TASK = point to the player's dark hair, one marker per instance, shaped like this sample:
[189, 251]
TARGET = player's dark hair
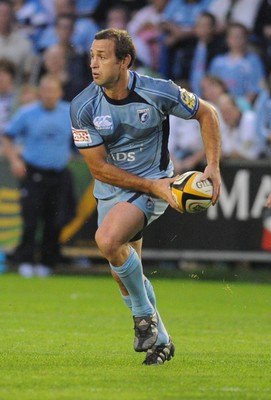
[124, 44]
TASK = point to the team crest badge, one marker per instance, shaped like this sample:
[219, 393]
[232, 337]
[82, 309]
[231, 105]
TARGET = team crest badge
[144, 115]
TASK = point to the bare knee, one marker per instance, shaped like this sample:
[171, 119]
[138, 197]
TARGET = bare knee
[111, 247]
[106, 244]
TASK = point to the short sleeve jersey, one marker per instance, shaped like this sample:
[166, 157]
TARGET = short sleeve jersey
[134, 130]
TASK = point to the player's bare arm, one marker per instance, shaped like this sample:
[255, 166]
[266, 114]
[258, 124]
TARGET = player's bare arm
[210, 131]
[101, 170]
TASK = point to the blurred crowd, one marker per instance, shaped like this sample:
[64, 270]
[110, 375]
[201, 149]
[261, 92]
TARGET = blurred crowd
[219, 49]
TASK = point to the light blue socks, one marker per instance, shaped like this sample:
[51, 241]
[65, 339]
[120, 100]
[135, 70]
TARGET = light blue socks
[163, 336]
[131, 274]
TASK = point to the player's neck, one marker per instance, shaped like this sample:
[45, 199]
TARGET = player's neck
[119, 90]
[117, 94]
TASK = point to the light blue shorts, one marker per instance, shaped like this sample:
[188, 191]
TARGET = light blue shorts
[152, 207]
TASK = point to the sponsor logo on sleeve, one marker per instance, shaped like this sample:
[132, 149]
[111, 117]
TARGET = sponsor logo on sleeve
[188, 100]
[81, 135]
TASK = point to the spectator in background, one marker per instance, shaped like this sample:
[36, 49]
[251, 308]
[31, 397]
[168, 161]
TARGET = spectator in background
[241, 70]
[55, 62]
[263, 119]
[84, 29]
[12, 95]
[228, 11]
[212, 87]
[118, 17]
[73, 68]
[238, 130]
[262, 32]
[185, 145]
[48, 7]
[207, 45]
[86, 7]
[177, 28]
[8, 95]
[31, 18]
[28, 94]
[100, 13]
[145, 24]
[13, 45]
[46, 191]
[78, 62]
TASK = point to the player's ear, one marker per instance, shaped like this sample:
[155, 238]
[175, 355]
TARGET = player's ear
[126, 61]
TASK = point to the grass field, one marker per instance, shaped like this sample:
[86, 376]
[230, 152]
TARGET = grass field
[71, 337]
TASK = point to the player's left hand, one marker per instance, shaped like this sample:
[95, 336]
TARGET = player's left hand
[212, 172]
[161, 188]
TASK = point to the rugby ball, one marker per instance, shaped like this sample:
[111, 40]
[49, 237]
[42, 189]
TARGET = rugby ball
[191, 194]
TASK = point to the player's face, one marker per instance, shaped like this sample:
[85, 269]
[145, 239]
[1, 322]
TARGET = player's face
[106, 68]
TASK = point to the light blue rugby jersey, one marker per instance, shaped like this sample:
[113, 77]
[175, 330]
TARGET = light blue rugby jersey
[134, 130]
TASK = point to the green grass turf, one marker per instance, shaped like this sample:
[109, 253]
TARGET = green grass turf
[71, 337]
